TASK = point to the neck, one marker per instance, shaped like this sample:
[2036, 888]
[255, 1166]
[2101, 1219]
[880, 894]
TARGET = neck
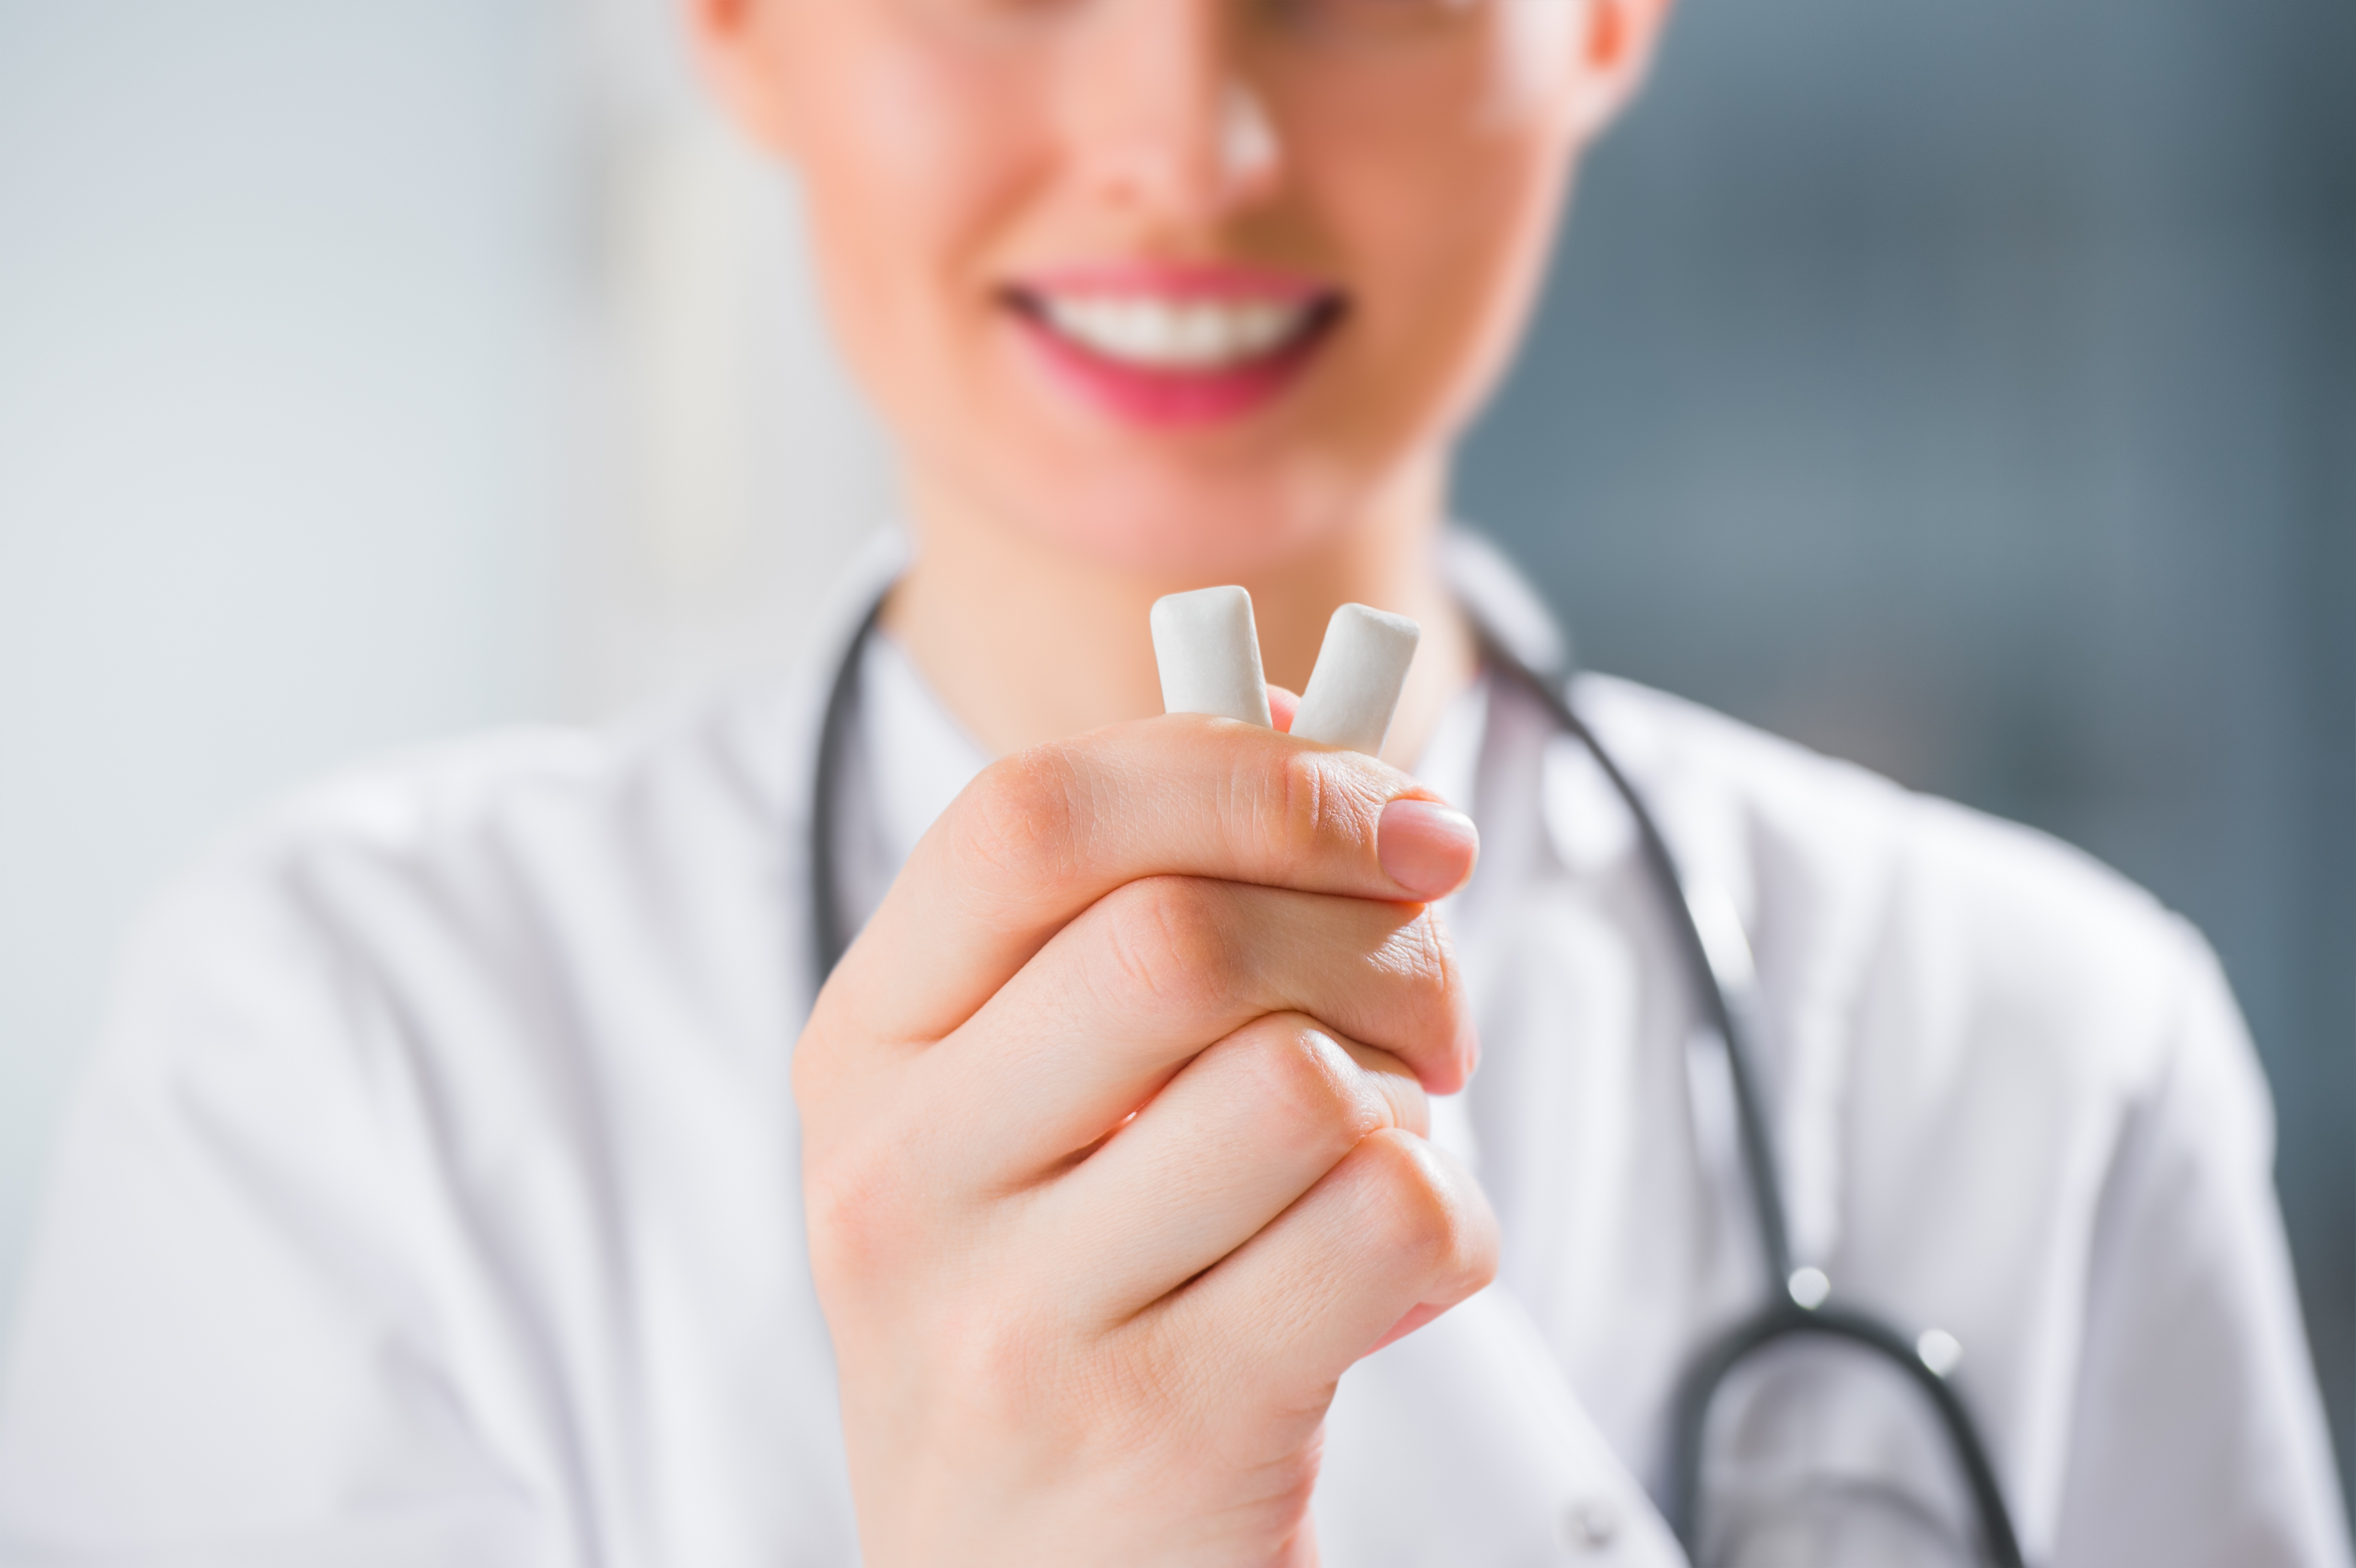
[1025, 643]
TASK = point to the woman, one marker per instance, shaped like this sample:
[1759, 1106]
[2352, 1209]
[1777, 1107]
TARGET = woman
[450, 1193]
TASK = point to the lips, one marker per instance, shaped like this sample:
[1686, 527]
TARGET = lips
[1164, 345]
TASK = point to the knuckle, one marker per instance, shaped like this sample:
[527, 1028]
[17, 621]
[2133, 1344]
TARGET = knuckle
[1021, 816]
[1018, 1363]
[842, 1236]
[1000, 1360]
[1419, 1217]
[859, 1230]
[1306, 1084]
[1169, 941]
[1313, 807]
[1147, 1384]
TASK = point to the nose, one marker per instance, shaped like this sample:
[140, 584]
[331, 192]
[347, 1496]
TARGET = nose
[1159, 115]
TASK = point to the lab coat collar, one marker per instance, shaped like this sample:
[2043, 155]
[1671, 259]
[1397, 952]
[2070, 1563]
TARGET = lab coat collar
[1502, 599]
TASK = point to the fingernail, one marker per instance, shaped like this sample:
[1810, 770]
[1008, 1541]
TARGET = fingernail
[1426, 848]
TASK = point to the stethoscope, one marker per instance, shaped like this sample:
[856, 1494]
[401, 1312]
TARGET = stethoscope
[1797, 1307]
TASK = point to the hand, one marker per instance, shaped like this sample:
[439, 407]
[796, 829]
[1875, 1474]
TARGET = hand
[1113, 1149]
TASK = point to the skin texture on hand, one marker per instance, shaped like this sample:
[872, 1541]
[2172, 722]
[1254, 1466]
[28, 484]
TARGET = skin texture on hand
[1113, 1146]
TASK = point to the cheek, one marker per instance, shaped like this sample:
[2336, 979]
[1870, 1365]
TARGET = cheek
[1449, 238]
[907, 170]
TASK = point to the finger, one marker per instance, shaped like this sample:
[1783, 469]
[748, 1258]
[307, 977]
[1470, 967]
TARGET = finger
[1248, 1127]
[1281, 705]
[1040, 837]
[1124, 996]
[1397, 1226]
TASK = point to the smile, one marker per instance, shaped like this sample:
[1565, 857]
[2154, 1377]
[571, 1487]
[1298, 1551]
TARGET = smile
[1177, 346]
[1179, 334]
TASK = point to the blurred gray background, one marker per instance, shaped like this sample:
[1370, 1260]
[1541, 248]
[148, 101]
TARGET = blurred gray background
[1966, 389]
[1970, 390]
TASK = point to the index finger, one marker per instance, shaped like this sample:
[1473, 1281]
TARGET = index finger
[1042, 835]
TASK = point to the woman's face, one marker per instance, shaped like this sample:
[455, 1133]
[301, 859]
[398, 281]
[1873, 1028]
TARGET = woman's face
[1187, 286]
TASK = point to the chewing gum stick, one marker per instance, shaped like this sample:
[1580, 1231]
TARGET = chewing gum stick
[1355, 688]
[1208, 651]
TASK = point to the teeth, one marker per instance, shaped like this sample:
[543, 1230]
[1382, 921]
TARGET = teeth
[1166, 334]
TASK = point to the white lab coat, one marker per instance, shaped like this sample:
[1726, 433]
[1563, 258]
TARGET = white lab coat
[436, 1198]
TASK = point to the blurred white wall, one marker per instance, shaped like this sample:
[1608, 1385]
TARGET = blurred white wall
[367, 372]
[728, 469]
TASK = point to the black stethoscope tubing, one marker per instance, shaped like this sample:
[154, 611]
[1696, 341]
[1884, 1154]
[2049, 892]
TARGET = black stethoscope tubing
[1727, 1006]
[1726, 1001]
[830, 934]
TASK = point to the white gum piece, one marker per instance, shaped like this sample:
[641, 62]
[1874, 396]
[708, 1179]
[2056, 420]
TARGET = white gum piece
[1208, 652]
[1355, 688]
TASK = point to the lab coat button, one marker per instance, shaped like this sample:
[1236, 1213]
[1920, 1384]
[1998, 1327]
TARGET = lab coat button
[1590, 1524]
